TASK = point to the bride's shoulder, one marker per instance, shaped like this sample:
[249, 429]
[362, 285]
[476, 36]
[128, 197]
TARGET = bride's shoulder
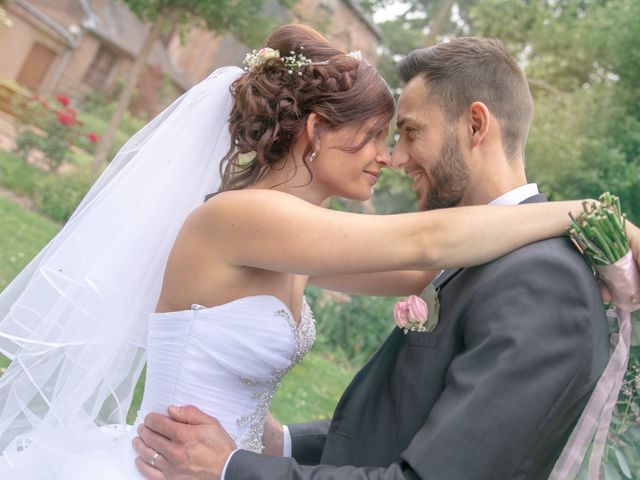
[248, 204]
[250, 199]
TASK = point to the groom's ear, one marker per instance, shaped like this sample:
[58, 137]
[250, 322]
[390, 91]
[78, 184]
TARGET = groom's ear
[479, 121]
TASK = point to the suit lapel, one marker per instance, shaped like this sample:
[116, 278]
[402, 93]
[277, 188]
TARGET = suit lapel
[535, 199]
[444, 277]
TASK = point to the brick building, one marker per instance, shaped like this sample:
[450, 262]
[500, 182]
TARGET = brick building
[79, 46]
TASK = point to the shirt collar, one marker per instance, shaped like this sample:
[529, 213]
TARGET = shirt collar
[516, 195]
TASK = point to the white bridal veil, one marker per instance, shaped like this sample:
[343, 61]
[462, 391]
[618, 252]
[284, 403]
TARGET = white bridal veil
[74, 321]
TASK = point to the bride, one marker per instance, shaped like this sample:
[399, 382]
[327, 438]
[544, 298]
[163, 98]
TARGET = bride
[210, 294]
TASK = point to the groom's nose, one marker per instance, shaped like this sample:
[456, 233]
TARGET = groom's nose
[399, 157]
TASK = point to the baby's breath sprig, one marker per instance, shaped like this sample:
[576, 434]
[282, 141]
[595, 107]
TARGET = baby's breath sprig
[599, 231]
[295, 61]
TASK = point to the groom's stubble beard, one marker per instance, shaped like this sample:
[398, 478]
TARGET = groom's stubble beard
[449, 178]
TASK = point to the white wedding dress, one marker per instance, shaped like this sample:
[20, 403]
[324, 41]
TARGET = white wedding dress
[227, 360]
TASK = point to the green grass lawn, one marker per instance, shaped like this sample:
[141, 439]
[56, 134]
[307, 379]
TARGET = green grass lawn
[22, 235]
[310, 391]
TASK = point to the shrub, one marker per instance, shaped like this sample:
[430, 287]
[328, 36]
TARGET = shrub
[18, 175]
[350, 327]
[58, 195]
[51, 130]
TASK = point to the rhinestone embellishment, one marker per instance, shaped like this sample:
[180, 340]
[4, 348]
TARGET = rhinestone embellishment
[304, 336]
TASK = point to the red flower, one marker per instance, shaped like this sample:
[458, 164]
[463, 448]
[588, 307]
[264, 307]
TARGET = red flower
[64, 100]
[67, 117]
[93, 138]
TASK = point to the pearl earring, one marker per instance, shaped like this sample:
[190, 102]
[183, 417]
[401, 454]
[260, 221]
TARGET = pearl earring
[312, 157]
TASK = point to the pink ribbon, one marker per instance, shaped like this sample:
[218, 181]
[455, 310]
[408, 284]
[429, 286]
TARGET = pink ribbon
[623, 279]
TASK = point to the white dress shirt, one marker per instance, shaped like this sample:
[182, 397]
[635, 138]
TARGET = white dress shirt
[516, 195]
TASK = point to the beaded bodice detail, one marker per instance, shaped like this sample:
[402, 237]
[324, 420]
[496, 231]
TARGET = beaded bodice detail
[227, 360]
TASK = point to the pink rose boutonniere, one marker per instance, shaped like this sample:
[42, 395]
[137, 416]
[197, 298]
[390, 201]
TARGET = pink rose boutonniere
[411, 314]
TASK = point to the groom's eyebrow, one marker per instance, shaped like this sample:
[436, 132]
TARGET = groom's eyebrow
[403, 120]
[400, 122]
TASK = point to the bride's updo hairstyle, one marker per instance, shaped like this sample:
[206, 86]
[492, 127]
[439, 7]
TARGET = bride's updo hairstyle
[272, 103]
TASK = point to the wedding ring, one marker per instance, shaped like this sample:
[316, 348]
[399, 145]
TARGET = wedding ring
[154, 458]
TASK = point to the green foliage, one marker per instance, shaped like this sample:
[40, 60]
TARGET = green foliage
[581, 60]
[401, 36]
[248, 20]
[58, 196]
[54, 195]
[311, 390]
[624, 436]
[18, 175]
[350, 327]
[393, 193]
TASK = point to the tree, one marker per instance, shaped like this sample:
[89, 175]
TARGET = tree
[244, 18]
[420, 23]
[584, 72]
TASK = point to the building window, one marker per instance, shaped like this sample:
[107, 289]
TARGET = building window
[36, 66]
[98, 72]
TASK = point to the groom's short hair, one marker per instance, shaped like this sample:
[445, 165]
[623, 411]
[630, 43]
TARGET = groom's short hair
[470, 69]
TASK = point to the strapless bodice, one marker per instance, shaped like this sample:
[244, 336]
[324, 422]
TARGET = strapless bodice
[227, 360]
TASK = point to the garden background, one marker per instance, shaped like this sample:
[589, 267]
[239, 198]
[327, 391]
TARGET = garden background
[583, 65]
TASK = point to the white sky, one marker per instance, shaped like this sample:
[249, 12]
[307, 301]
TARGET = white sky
[390, 12]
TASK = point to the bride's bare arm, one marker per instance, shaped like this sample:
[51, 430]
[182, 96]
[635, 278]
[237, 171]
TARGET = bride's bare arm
[275, 231]
[380, 284]
[410, 282]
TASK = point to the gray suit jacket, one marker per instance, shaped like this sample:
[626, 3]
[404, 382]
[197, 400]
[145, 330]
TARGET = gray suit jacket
[492, 393]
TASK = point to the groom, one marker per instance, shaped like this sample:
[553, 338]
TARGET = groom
[495, 390]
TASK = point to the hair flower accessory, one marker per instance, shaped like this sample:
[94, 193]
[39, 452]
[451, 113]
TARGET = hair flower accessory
[357, 54]
[258, 57]
[293, 61]
[411, 314]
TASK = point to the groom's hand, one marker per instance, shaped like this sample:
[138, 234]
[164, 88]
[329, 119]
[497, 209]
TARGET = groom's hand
[272, 437]
[189, 444]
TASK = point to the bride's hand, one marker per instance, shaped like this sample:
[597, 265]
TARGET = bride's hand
[633, 233]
